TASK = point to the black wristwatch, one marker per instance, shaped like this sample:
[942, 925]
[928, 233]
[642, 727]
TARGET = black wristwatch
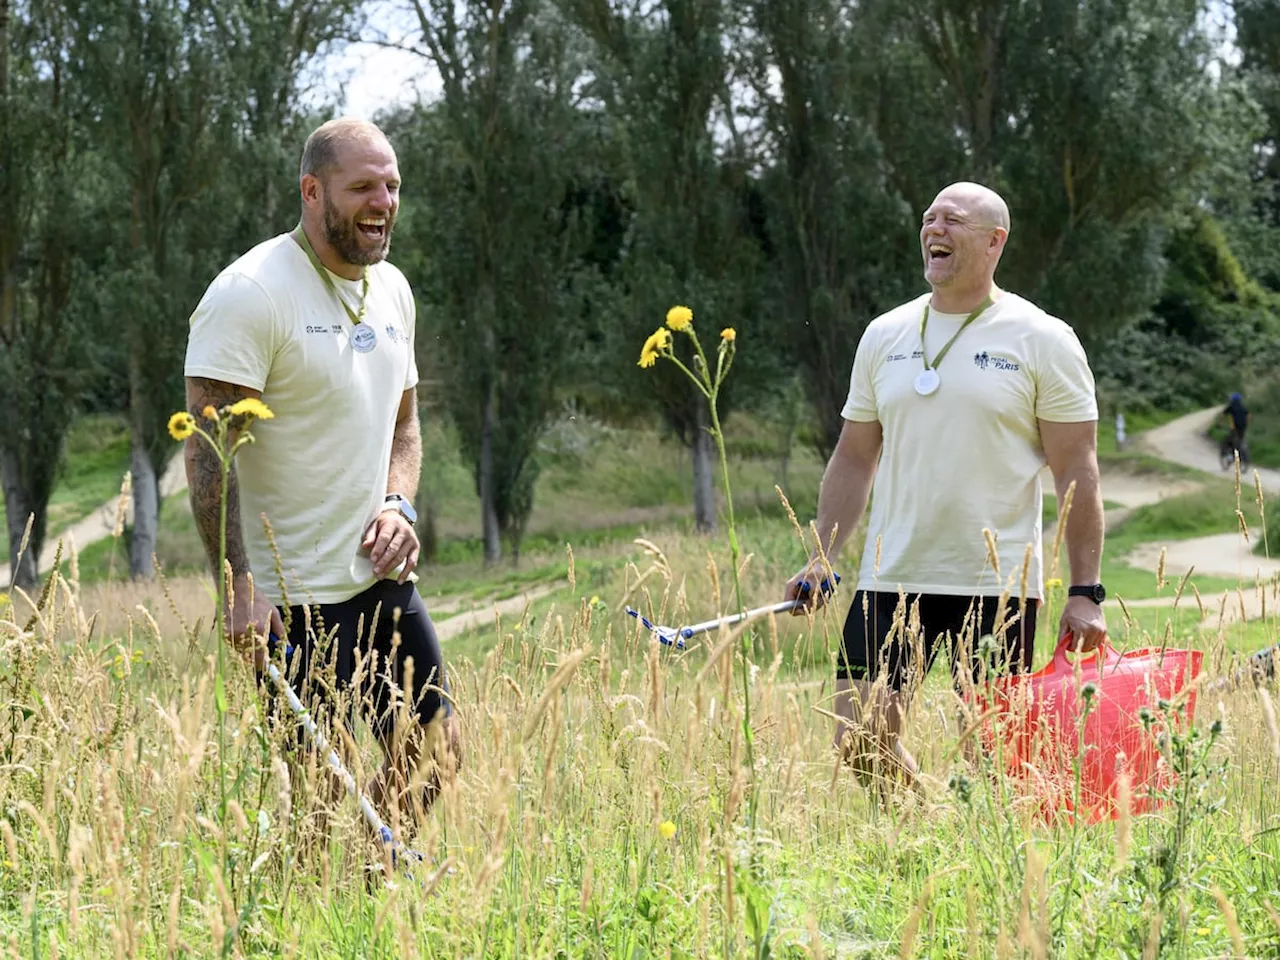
[1094, 591]
[396, 502]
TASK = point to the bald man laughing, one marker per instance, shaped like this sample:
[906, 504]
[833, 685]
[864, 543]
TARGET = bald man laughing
[957, 400]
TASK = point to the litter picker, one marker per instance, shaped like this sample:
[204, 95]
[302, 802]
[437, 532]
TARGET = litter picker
[676, 636]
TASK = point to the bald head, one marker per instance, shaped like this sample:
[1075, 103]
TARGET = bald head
[320, 156]
[962, 236]
[986, 206]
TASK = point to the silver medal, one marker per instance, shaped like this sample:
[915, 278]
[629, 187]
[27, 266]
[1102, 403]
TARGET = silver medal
[363, 338]
[927, 382]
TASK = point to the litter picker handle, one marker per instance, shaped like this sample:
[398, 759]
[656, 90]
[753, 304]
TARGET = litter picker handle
[331, 756]
[706, 625]
[827, 589]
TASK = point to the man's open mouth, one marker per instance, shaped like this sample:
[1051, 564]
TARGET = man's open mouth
[939, 251]
[375, 228]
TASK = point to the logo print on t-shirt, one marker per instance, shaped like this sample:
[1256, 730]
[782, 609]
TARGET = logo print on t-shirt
[985, 360]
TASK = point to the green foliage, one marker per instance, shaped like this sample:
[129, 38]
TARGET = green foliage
[1258, 37]
[840, 235]
[659, 76]
[1097, 121]
[1212, 330]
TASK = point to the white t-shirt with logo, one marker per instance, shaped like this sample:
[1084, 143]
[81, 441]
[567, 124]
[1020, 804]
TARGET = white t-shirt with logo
[969, 456]
[318, 470]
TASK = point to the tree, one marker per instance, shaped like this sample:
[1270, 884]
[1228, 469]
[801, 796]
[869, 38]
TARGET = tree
[1098, 121]
[661, 73]
[40, 353]
[182, 90]
[835, 221]
[494, 160]
[1258, 37]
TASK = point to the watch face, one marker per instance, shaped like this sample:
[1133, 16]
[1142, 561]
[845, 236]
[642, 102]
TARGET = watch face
[1099, 592]
[407, 509]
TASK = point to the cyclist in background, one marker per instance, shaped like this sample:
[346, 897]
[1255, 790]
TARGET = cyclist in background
[1238, 418]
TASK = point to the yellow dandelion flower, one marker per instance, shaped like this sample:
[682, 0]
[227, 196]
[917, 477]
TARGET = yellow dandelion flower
[210, 413]
[1054, 583]
[666, 829]
[181, 425]
[728, 334]
[251, 407]
[595, 599]
[679, 318]
[658, 341]
[1203, 931]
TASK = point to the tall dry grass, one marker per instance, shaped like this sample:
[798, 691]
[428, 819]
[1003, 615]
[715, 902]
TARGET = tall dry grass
[582, 737]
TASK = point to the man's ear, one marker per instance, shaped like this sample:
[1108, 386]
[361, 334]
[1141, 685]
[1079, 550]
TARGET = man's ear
[311, 189]
[999, 236]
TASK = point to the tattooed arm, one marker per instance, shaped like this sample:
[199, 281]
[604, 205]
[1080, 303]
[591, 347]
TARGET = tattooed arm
[204, 482]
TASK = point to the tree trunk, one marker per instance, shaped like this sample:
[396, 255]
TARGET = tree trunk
[146, 512]
[488, 509]
[17, 510]
[704, 494]
[146, 488]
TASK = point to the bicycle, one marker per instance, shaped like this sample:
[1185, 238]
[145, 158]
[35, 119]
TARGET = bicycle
[1227, 451]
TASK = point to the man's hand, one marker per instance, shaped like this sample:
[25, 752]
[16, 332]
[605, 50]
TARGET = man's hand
[250, 620]
[810, 574]
[389, 540]
[1086, 623]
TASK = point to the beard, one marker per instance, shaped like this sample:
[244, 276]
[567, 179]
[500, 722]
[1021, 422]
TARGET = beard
[347, 241]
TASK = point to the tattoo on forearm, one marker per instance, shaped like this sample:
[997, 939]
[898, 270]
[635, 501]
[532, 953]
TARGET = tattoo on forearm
[204, 477]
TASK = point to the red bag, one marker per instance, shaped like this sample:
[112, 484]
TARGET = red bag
[1036, 734]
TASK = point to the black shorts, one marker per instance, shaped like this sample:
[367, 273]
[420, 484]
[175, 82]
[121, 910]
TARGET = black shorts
[873, 649]
[347, 655]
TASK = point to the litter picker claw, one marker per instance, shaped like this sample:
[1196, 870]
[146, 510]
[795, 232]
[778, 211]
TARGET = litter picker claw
[676, 636]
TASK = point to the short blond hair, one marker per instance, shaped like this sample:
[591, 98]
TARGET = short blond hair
[320, 153]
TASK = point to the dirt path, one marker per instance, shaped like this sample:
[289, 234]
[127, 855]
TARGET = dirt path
[1183, 441]
[455, 626]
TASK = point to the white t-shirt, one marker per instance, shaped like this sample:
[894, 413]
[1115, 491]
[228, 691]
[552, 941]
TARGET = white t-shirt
[969, 456]
[318, 470]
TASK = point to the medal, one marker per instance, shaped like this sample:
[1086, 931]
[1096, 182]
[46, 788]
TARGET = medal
[927, 382]
[363, 338]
